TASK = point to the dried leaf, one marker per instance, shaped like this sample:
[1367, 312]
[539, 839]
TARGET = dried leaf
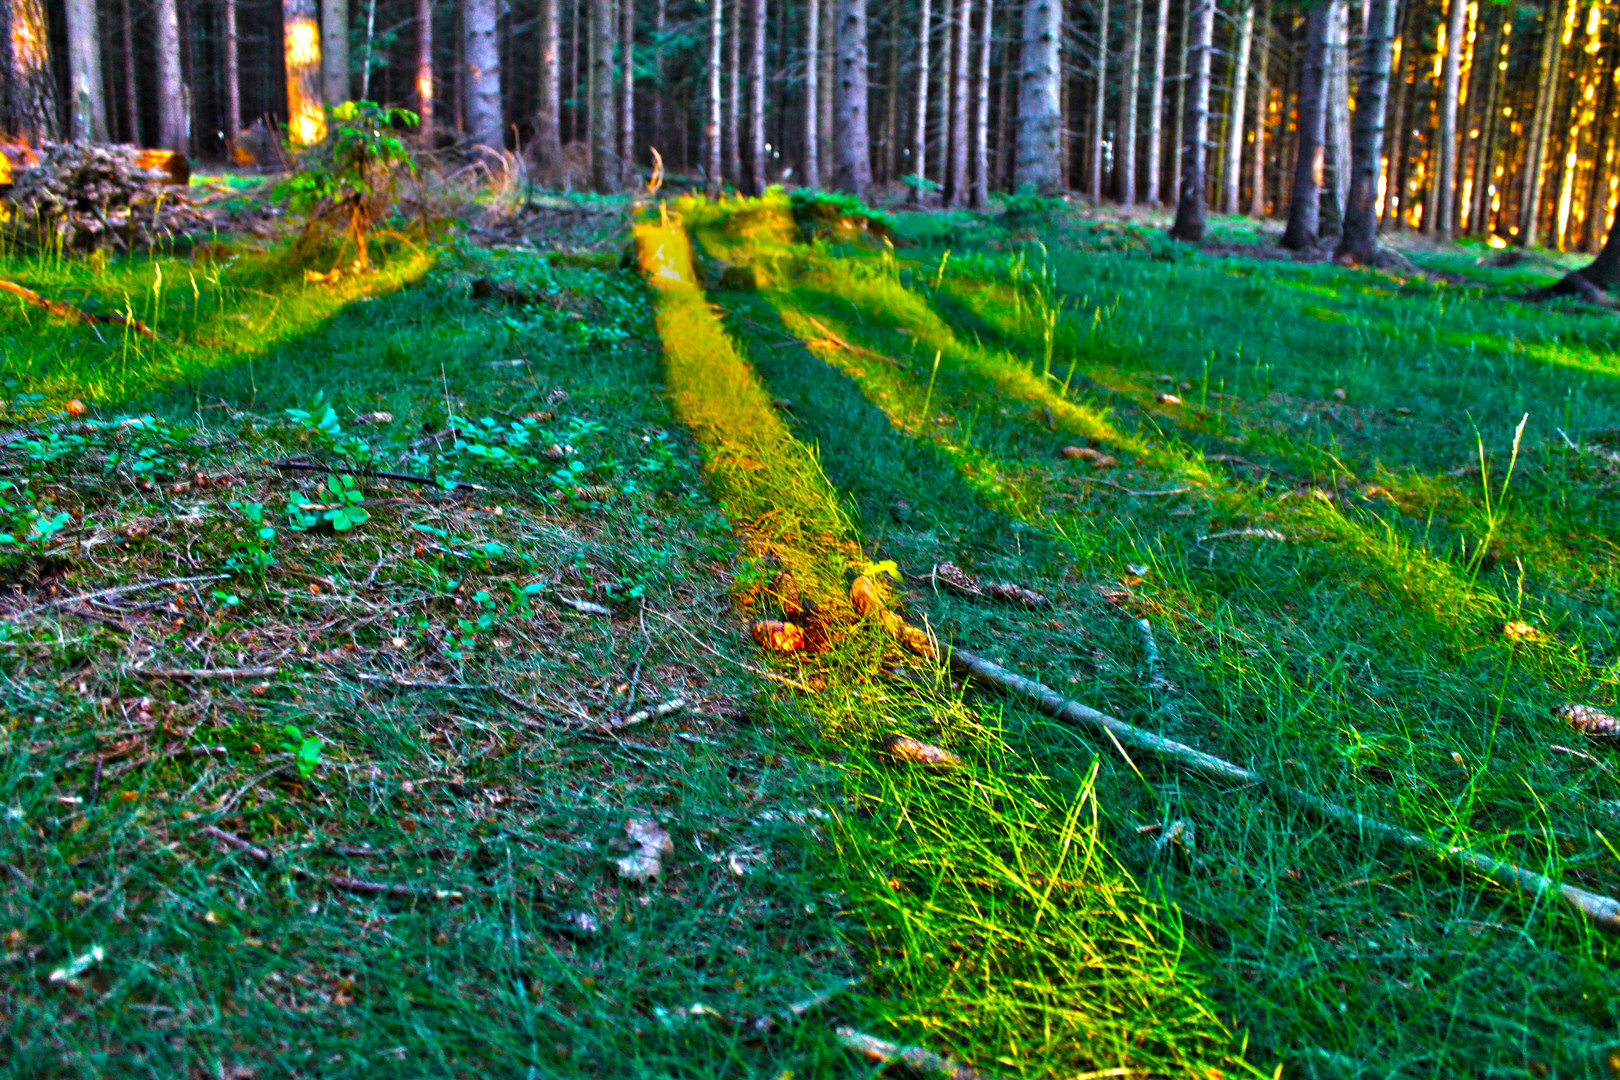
[651, 837]
[958, 580]
[1589, 721]
[1167, 399]
[864, 595]
[1009, 593]
[779, 636]
[639, 867]
[1514, 630]
[584, 607]
[919, 753]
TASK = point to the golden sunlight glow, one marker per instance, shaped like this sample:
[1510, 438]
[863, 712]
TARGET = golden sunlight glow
[308, 124]
[1495, 242]
[303, 44]
[424, 87]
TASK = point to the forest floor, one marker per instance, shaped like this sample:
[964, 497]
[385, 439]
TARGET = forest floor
[473, 769]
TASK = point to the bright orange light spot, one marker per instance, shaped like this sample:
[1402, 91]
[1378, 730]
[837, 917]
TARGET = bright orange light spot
[303, 44]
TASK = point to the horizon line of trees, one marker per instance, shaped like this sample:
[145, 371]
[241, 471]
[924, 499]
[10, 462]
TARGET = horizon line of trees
[1347, 118]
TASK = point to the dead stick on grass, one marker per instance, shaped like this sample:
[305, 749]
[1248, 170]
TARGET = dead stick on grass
[1602, 911]
[761, 672]
[68, 311]
[1131, 491]
[409, 478]
[477, 688]
[653, 713]
[847, 347]
[917, 1058]
[207, 673]
[349, 884]
[107, 593]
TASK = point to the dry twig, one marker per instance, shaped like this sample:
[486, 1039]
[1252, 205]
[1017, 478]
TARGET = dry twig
[105, 594]
[348, 884]
[68, 311]
[917, 1058]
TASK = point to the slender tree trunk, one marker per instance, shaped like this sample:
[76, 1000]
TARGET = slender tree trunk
[660, 22]
[734, 94]
[1485, 160]
[1130, 92]
[1305, 200]
[947, 54]
[1397, 175]
[482, 49]
[756, 100]
[1100, 111]
[852, 159]
[711, 128]
[548, 119]
[919, 141]
[233, 77]
[981, 110]
[1011, 64]
[812, 95]
[892, 94]
[1232, 174]
[1598, 190]
[1359, 241]
[1450, 84]
[1540, 122]
[335, 51]
[1336, 123]
[1262, 107]
[826, 86]
[958, 181]
[303, 47]
[1470, 134]
[1036, 162]
[1155, 147]
[88, 105]
[1189, 224]
[604, 159]
[132, 99]
[1178, 115]
[627, 90]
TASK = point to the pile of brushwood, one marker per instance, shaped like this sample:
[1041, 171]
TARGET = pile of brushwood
[87, 196]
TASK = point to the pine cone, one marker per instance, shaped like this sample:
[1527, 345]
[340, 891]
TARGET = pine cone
[1589, 721]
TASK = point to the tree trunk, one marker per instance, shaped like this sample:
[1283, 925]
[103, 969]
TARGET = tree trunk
[1010, 66]
[958, 181]
[233, 77]
[1262, 105]
[1591, 280]
[1336, 123]
[852, 160]
[483, 58]
[1485, 156]
[424, 69]
[756, 100]
[1397, 174]
[826, 85]
[1179, 114]
[604, 159]
[627, 91]
[981, 110]
[1305, 200]
[812, 95]
[1099, 110]
[306, 123]
[88, 110]
[1155, 147]
[1359, 242]
[1189, 224]
[1232, 174]
[734, 95]
[893, 92]
[548, 118]
[947, 54]
[335, 51]
[711, 128]
[660, 20]
[132, 99]
[1125, 152]
[1037, 161]
[919, 140]
[1450, 83]
[1540, 122]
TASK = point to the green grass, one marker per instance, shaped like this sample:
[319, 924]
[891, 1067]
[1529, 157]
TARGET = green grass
[1361, 657]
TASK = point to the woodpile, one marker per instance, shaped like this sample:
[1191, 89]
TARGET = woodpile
[87, 196]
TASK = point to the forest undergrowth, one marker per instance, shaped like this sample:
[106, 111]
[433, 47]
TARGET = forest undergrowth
[380, 694]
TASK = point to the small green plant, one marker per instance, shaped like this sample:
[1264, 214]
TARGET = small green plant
[919, 186]
[352, 178]
[1026, 207]
[341, 513]
[252, 555]
[306, 749]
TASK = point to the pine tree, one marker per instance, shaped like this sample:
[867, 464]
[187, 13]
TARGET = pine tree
[1036, 162]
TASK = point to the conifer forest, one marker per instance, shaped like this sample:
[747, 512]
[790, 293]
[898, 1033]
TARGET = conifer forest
[940, 539]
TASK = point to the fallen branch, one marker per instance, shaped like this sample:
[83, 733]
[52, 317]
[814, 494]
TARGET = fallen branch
[651, 713]
[1602, 911]
[68, 311]
[1131, 491]
[207, 673]
[348, 884]
[847, 347]
[104, 594]
[408, 478]
[477, 688]
[916, 1057]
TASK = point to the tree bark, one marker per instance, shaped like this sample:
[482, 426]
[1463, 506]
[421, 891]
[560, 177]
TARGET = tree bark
[1125, 151]
[335, 51]
[812, 94]
[958, 182]
[604, 158]
[826, 86]
[132, 99]
[1305, 200]
[1262, 102]
[1178, 115]
[852, 160]
[627, 91]
[711, 128]
[483, 58]
[1450, 83]
[981, 110]
[947, 56]
[919, 135]
[174, 120]
[1232, 174]
[88, 105]
[1336, 123]
[1036, 162]
[1540, 123]
[1189, 224]
[1155, 148]
[548, 117]
[892, 93]
[1397, 173]
[660, 21]
[734, 94]
[1358, 244]
[756, 100]
[1099, 110]
[1485, 159]
[233, 77]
